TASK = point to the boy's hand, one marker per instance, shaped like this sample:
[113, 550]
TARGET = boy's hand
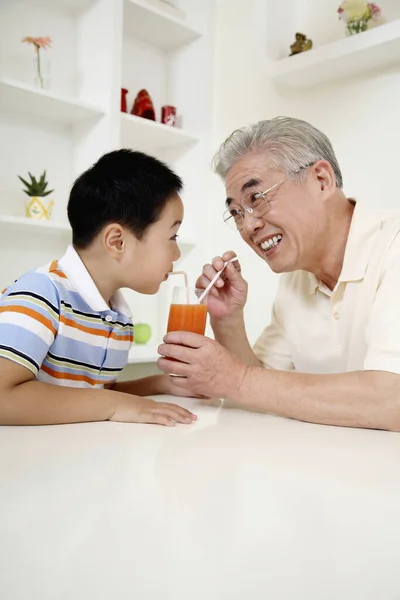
[135, 409]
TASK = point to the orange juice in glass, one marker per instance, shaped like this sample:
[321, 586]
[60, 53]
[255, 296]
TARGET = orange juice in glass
[185, 313]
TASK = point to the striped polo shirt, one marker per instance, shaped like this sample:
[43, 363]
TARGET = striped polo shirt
[54, 322]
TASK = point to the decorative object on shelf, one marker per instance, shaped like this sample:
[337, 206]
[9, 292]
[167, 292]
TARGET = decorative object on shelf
[168, 115]
[124, 92]
[143, 106]
[37, 207]
[142, 333]
[302, 44]
[359, 16]
[42, 63]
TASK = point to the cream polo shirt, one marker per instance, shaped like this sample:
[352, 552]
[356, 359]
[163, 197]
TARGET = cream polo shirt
[312, 328]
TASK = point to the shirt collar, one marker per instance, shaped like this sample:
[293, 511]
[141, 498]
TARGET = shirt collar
[365, 224]
[79, 277]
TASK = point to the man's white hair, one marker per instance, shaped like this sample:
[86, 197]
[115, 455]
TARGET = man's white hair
[289, 144]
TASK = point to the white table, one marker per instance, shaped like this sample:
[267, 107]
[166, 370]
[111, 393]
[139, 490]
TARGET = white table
[239, 506]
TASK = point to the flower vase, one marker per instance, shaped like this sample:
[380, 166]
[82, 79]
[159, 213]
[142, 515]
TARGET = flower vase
[356, 26]
[41, 67]
[38, 208]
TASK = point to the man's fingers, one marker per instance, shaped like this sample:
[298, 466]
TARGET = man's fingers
[172, 366]
[218, 263]
[179, 353]
[233, 271]
[228, 255]
[184, 338]
[202, 282]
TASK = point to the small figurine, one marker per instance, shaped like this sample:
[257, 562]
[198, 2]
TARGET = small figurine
[301, 44]
[143, 106]
[168, 115]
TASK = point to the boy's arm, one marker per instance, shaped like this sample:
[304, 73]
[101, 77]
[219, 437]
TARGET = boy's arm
[147, 386]
[24, 401]
[154, 385]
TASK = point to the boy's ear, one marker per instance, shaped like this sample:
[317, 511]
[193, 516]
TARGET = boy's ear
[114, 239]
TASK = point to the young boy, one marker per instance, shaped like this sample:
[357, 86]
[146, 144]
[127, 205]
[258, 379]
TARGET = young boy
[65, 330]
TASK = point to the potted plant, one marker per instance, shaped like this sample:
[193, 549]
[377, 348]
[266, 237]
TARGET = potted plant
[37, 207]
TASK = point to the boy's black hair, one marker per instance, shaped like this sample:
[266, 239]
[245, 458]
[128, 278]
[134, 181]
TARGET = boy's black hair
[125, 187]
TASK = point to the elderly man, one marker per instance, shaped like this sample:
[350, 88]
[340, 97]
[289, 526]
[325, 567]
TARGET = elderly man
[331, 353]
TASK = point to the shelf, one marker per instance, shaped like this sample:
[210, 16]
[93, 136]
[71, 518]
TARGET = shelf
[73, 6]
[26, 225]
[186, 241]
[151, 23]
[143, 353]
[371, 50]
[17, 96]
[151, 136]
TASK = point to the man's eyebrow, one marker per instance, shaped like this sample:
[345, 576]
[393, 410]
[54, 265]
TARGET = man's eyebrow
[248, 184]
[176, 223]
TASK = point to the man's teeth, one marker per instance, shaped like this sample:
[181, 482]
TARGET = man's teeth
[274, 241]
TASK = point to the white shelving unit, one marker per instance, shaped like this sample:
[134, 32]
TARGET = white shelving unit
[76, 7]
[152, 136]
[17, 96]
[27, 226]
[100, 46]
[151, 22]
[352, 56]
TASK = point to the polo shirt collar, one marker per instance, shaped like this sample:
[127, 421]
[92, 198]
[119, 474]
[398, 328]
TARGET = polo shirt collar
[365, 224]
[364, 227]
[79, 277]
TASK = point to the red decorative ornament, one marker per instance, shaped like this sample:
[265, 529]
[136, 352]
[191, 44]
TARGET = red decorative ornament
[123, 99]
[168, 115]
[143, 106]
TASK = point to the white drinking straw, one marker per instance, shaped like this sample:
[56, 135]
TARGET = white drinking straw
[214, 279]
[186, 282]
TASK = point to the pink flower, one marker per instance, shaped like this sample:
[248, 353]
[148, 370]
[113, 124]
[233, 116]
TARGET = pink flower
[38, 42]
[375, 11]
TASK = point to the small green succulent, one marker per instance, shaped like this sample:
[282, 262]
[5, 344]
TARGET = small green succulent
[34, 187]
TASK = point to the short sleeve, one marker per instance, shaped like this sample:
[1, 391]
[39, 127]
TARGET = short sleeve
[272, 347]
[383, 330]
[29, 317]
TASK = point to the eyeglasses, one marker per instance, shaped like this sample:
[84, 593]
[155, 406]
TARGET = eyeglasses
[255, 204]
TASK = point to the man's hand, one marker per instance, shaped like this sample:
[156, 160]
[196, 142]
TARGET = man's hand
[205, 366]
[229, 293]
[134, 409]
[170, 388]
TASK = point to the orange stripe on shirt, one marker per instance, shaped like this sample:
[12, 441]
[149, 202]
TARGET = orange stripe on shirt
[99, 332]
[54, 269]
[74, 377]
[30, 313]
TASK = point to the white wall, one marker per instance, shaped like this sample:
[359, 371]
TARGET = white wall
[242, 95]
[361, 117]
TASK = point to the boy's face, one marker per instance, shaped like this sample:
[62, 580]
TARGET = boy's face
[148, 261]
